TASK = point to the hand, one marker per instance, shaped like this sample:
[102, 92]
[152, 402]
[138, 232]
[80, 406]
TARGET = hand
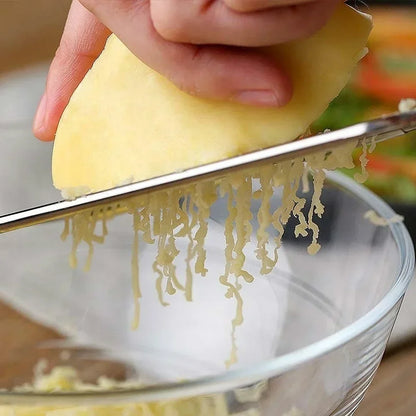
[203, 46]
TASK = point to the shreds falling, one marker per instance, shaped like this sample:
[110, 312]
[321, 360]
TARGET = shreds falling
[164, 217]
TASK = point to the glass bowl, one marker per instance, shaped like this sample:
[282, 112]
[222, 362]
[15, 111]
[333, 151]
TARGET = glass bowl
[312, 337]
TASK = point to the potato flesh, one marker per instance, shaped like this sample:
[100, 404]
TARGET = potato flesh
[125, 122]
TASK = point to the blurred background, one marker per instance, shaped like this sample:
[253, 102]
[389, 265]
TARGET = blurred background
[386, 75]
[29, 35]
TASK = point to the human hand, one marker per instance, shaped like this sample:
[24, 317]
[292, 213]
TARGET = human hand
[205, 47]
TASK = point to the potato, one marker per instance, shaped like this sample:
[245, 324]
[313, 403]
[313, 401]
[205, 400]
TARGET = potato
[126, 122]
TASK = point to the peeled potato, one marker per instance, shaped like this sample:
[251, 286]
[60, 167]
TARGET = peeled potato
[126, 122]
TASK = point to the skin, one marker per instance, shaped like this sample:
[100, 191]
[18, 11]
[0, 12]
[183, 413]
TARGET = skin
[205, 47]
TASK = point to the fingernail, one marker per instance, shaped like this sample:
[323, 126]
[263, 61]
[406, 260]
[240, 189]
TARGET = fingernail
[265, 98]
[39, 120]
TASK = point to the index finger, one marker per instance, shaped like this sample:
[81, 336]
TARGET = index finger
[82, 42]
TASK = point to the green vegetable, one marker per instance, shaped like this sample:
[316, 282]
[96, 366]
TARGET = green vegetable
[348, 108]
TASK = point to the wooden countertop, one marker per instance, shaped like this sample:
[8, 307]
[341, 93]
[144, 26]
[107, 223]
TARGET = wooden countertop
[29, 32]
[393, 392]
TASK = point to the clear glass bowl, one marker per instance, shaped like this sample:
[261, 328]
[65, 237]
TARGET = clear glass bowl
[313, 334]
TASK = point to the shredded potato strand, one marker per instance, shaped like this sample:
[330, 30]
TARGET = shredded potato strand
[135, 271]
[363, 175]
[264, 219]
[233, 290]
[183, 212]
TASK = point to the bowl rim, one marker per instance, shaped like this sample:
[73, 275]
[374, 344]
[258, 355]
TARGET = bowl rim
[233, 379]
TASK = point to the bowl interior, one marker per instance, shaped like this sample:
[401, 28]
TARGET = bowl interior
[69, 316]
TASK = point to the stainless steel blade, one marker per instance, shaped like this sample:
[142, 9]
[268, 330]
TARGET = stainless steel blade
[379, 129]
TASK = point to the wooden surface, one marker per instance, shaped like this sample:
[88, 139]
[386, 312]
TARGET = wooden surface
[24, 344]
[393, 392]
[30, 32]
